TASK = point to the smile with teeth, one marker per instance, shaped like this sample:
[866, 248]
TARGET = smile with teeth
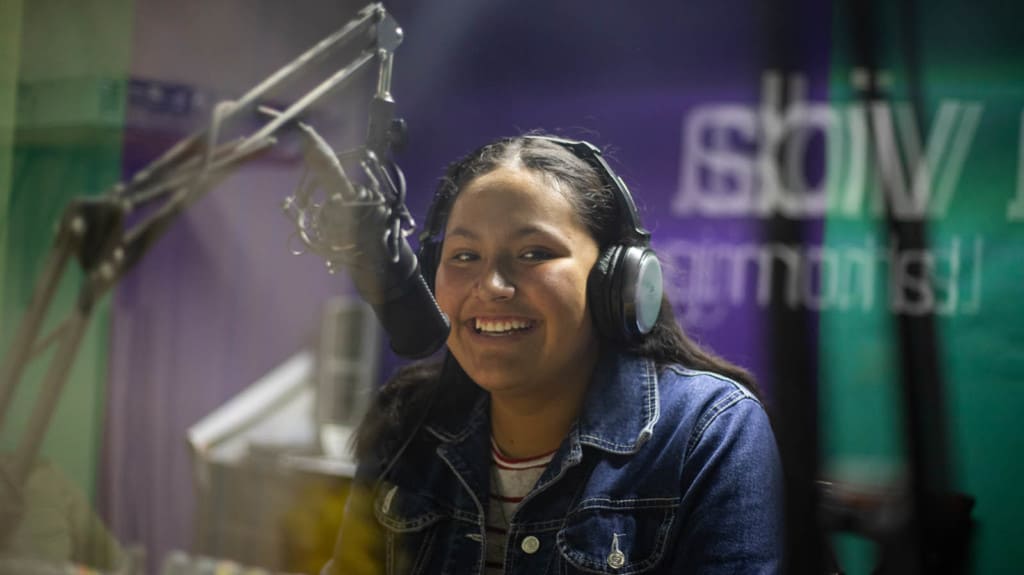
[501, 326]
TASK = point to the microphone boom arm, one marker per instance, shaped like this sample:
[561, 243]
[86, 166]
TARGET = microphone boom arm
[91, 229]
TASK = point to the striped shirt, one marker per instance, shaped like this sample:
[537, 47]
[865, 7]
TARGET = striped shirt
[511, 480]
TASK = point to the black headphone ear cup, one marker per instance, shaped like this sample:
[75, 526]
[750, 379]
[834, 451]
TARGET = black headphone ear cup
[624, 291]
[600, 292]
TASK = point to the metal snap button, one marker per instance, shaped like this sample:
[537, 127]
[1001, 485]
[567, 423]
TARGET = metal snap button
[616, 559]
[530, 544]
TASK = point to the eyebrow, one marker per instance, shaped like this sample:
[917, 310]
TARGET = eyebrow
[463, 232]
[522, 232]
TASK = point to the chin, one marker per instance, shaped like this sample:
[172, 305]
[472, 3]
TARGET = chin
[493, 371]
[497, 383]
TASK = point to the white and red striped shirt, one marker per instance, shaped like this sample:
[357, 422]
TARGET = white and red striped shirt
[511, 480]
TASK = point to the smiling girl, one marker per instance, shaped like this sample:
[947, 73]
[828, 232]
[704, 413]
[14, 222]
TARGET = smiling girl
[571, 426]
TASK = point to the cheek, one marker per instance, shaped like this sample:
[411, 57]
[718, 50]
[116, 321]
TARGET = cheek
[566, 291]
[446, 290]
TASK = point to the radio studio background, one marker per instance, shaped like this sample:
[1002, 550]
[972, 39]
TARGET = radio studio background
[722, 117]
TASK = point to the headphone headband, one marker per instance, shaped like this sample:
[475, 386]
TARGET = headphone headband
[591, 154]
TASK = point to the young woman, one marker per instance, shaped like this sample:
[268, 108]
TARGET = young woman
[571, 427]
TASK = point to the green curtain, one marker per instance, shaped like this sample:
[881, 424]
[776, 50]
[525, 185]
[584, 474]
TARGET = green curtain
[63, 77]
[972, 95]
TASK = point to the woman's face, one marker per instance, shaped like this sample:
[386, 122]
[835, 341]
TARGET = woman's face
[513, 279]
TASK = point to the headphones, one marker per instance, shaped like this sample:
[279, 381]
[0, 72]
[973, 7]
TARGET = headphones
[624, 288]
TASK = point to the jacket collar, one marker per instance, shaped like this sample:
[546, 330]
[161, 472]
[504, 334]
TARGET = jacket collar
[619, 411]
[622, 404]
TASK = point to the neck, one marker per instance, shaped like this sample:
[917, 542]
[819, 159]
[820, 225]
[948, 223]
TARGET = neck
[526, 427]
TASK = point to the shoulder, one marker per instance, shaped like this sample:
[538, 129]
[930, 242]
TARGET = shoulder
[730, 473]
[682, 381]
[681, 385]
[703, 402]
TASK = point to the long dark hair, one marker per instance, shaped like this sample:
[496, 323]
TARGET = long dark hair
[414, 387]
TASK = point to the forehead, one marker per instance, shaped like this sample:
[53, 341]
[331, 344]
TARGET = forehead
[512, 195]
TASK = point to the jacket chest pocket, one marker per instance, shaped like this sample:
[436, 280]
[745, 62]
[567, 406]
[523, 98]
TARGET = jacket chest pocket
[616, 537]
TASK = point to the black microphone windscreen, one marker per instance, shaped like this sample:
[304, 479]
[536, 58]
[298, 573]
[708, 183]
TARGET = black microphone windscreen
[415, 324]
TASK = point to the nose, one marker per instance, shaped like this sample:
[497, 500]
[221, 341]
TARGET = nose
[495, 284]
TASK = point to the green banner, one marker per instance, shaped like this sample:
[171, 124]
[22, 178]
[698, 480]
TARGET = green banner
[63, 73]
[945, 147]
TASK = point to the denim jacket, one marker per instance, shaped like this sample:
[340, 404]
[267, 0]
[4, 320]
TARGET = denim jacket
[676, 472]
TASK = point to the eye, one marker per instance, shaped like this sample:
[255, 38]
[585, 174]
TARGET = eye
[537, 254]
[463, 256]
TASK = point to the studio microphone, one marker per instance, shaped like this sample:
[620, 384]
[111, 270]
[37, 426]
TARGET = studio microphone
[394, 287]
[361, 226]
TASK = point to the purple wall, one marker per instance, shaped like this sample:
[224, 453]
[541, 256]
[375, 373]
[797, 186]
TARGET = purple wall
[220, 301]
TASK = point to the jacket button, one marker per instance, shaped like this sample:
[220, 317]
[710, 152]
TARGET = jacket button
[616, 559]
[530, 545]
